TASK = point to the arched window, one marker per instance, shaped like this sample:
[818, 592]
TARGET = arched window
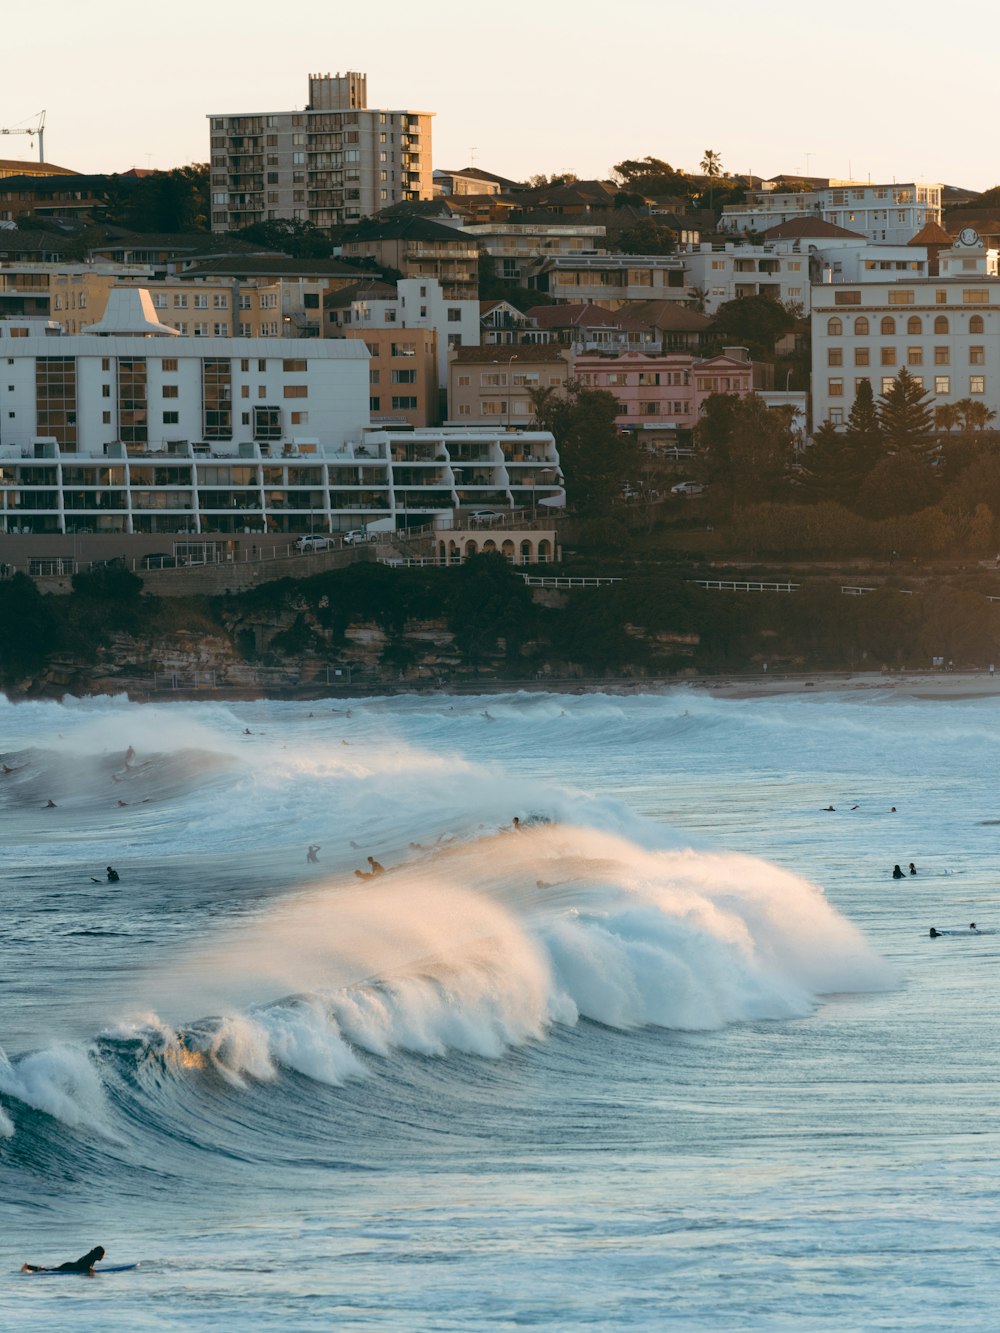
[526, 552]
[941, 324]
[976, 324]
[834, 327]
[861, 326]
[888, 325]
[507, 550]
[544, 551]
[914, 324]
[470, 548]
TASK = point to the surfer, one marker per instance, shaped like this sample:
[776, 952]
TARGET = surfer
[122, 804]
[828, 807]
[129, 756]
[897, 873]
[50, 804]
[913, 868]
[311, 856]
[972, 926]
[112, 875]
[933, 933]
[85, 1264]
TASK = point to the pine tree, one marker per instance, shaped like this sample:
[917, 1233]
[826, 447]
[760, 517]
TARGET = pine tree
[905, 416]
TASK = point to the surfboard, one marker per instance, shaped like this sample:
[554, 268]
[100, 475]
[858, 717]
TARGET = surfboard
[964, 930]
[78, 1272]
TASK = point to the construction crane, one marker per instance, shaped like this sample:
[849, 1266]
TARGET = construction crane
[38, 129]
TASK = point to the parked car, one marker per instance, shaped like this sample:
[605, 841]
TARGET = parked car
[160, 560]
[357, 536]
[687, 488]
[313, 543]
[486, 516]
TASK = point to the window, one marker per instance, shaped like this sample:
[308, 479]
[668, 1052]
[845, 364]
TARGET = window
[940, 297]
[373, 349]
[295, 391]
[244, 390]
[374, 376]
[914, 356]
[888, 356]
[404, 377]
[898, 297]
[105, 418]
[861, 326]
[220, 301]
[847, 298]
[106, 363]
[977, 356]
[454, 314]
[293, 366]
[835, 388]
[834, 327]
[836, 416]
[975, 296]
[464, 381]
[942, 384]
[201, 301]
[105, 390]
[180, 301]
[977, 384]
[888, 325]
[861, 356]
[942, 355]
[914, 324]
[171, 418]
[862, 379]
[976, 324]
[887, 382]
[404, 349]
[834, 357]
[300, 418]
[220, 330]
[941, 324]
[404, 404]
[374, 404]
[169, 391]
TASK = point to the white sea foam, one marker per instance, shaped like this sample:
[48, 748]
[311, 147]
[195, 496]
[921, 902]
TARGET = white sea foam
[62, 1082]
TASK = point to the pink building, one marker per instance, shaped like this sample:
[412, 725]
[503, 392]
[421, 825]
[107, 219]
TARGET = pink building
[666, 390]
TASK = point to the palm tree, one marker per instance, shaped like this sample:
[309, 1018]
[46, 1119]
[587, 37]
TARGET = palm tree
[711, 165]
[947, 416]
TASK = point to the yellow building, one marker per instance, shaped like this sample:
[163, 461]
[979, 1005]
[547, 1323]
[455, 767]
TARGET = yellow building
[402, 375]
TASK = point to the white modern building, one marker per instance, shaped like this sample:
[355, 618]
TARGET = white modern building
[131, 428]
[333, 162]
[892, 213]
[945, 330]
[419, 303]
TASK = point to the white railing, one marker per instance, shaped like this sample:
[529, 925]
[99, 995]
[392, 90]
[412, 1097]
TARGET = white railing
[542, 581]
[729, 585]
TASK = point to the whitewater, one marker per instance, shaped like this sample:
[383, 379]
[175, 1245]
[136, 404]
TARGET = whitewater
[676, 1052]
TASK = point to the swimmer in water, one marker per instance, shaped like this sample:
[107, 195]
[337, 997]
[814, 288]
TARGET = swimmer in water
[933, 933]
[897, 873]
[515, 824]
[50, 805]
[311, 854]
[122, 804]
[913, 868]
[113, 875]
[828, 807]
[488, 715]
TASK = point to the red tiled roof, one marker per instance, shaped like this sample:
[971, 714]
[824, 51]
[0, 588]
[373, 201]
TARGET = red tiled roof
[803, 228]
[931, 233]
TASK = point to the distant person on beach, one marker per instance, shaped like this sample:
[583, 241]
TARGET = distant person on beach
[913, 868]
[515, 824]
[113, 875]
[377, 868]
[897, 873]
[85, 1264]
[311, 854]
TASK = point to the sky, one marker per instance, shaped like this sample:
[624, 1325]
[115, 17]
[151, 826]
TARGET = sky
[866, 88]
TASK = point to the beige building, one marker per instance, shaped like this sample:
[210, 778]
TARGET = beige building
[419, 248]
[403, 382]
[612, 280]
[336, 161]
[493, 385]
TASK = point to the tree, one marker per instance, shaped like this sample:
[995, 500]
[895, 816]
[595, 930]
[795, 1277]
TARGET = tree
[754, 322]
[651, 175]
[595, 457]
[645, 237]
[972, 414]
[291, 236]
[747, 449]
[902, 483]
[905, 415]
[947, 416]
[711, 165]
[828, 469]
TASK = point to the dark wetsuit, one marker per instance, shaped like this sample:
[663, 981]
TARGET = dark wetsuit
[82, 1265]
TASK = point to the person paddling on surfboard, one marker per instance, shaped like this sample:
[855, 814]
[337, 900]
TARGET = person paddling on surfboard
[85, 1264]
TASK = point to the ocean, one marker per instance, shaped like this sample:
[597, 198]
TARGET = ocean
[676, 1053]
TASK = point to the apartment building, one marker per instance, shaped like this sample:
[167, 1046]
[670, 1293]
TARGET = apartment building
[663, 392]
[419, 248]
[612, 280]
[892, 213]
[333, 162]
[133, 382]
[495, 384]
[943, 329]
[414, 303]
[402, 374]
[517, 248]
